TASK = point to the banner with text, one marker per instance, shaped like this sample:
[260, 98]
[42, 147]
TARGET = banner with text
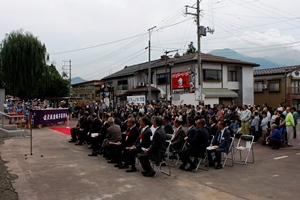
[49, 116]
[180, 80]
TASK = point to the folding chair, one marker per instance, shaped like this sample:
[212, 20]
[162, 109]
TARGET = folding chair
[164, 161]
[199, 160]
[230, 152]
[177, 155]
[248, 141]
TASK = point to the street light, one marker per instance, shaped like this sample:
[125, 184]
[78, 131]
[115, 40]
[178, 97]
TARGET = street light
[166, 77]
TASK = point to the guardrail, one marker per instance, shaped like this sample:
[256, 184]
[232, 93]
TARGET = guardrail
[3, 114]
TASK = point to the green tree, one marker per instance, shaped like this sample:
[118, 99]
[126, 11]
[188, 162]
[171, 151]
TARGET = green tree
[56, 86]
[191, 49]
[23, 64]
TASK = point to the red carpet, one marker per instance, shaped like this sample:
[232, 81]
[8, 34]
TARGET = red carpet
[62, 130]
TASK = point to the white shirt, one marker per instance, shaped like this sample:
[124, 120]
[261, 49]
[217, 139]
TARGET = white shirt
[153, 131]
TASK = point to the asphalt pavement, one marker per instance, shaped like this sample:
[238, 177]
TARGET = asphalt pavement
[60, 170]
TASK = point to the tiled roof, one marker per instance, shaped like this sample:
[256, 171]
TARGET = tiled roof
[130, 70]
[276, 70]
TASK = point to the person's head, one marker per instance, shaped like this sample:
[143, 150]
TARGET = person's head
[191, 121]
[273, 126]
[110, 121]
[245, 107]
[86, 114]
[288, 109]
[282, 117]
[157, 121]
[178, 121]
[94, 115]
[294, 109]
[255, 113]
[264, 114]
[200, 123]
[144, 121]
[221, 125]
[212, 120]
[166, 119]
[130, 122]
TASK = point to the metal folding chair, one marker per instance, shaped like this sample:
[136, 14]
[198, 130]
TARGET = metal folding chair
[248, 147]
[230, 153]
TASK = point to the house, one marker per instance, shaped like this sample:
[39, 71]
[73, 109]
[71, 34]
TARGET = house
[88, 90]
[276, 86]
[173, 80]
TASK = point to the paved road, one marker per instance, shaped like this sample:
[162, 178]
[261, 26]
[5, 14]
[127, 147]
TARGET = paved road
[66, 172]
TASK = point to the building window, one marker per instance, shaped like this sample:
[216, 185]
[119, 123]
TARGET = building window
[123, 85]
[162, 78]
[258, 87]
[212, 75]
[232, 75]
[274, 86]
[295, 87]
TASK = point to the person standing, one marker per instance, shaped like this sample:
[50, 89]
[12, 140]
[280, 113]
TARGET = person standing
[289, 123]
[245, 117]
[295, 115]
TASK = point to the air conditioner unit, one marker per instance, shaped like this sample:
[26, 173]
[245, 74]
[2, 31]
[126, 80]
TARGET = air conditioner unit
[264, 87]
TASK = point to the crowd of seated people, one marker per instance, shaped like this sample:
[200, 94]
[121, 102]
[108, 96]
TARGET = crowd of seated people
[146, 133]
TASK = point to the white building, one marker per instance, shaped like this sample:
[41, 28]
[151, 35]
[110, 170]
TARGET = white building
[225, 81]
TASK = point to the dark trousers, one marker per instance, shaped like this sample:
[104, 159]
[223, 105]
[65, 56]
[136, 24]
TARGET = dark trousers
[132, 153]
[95, 142]
[74, 132]
[81, 135]
[185, 156]
[218, 154]
[295, 131]
[275, 143]
[144, 160]
[122, 154]
[255, 134]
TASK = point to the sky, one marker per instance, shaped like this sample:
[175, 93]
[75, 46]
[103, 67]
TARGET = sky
[101, 37]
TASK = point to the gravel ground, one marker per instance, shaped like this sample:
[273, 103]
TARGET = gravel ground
[7, 192]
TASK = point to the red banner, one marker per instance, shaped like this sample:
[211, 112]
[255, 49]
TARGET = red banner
[180, 80]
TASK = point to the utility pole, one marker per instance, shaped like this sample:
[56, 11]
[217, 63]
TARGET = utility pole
[149, 67]
[67, 69]
[201, 31]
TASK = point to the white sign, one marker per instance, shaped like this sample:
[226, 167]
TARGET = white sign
[136, 99]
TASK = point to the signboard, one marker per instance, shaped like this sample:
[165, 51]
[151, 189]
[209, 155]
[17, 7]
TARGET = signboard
[180, 80]
[136, 99]
[49, 116]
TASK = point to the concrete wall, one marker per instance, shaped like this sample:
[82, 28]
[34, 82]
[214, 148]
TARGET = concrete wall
[2, 99]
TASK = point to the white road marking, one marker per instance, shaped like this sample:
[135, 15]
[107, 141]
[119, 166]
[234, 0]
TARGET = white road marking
[281, 157]
[275, 175]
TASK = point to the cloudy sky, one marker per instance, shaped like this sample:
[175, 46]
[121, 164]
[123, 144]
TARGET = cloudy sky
[101, 37]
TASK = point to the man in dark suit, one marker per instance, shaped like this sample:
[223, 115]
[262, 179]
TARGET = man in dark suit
[221, 142]
[197, 148]
[156, 150]
[178, 140]
[83, 129]
[142, 142]
[191, 132]
[96, 127]
[213, 126]
[128, 140]
[74, 131]
[168, 128]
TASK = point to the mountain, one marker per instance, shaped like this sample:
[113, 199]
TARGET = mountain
[77, 80]
[229, 53]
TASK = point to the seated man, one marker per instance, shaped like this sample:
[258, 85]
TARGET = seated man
[168, 127]
[275, 140]
[113, 135]
[221, 142]
[83, 129]
[178, 141]
[191, 131]
[142, 142]
[74, 130]
[131, 135]
[156, 150]
[197, 146]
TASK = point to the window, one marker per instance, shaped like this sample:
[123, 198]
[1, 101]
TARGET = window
[232, 75]
[212, 75]
[296, 87]
[258, 86]
[123, 85]
[274, 86]
[161, 78]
